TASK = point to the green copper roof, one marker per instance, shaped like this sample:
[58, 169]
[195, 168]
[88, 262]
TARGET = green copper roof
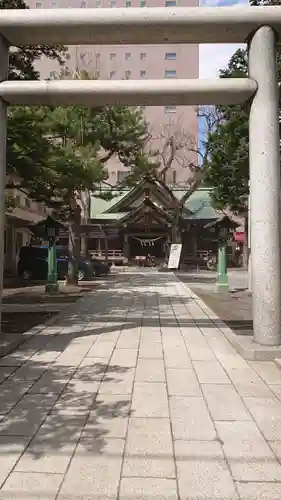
[99, 206]
[200, 204]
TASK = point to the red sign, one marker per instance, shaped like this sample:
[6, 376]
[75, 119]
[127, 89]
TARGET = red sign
[239, 236]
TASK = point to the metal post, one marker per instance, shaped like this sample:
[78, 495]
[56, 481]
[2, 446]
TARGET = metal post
[264, 159]
[52, 285]
[4, 65]
[222, 278]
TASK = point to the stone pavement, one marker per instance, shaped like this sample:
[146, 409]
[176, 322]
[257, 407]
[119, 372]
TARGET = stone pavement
[135, 394]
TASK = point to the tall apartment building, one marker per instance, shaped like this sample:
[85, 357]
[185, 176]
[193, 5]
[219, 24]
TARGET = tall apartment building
[139, 62]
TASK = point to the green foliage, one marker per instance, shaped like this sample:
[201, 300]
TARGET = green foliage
[121, 131]
[13, 4]
[28, 147]
[84, 139]
[60, 151]
[227, 168]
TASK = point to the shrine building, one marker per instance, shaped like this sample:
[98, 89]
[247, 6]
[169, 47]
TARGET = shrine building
[143, 220]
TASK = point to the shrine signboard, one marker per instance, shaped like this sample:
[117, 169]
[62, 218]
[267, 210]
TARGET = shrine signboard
[174, 257]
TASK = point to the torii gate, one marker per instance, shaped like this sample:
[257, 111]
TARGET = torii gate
[257, 26]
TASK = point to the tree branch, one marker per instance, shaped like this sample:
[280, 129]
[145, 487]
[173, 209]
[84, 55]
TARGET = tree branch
[106, 157]
[169, 146]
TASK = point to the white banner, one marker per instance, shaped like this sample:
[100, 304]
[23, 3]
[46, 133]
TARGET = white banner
[174, 257]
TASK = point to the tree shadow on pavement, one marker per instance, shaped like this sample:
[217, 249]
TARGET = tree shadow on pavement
[56, 390]
[48, 408]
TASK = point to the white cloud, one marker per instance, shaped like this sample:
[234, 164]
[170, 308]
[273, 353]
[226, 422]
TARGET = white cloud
[213, 57]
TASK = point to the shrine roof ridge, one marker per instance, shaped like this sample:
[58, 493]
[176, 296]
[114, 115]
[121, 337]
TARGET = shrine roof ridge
[199, 204]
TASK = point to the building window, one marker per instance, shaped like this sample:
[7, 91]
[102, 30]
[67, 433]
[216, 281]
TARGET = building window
[112, 56]
[174, 176]
[170, 109]
[97, 75]
[128, 3]
[170, 73]
[83, 4]
[170, 56]
[112, 74]
[53, 75]
[38, 5]
[170, 3]
[53, 5]
[128, 56]
[97, 56]
[98, 3]
[112, 3]
[142, 73]
[67, 56]
[142, 3]
[27, 202]
[143, 56]
[127, 74]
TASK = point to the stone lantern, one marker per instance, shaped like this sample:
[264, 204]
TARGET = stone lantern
[49, 229]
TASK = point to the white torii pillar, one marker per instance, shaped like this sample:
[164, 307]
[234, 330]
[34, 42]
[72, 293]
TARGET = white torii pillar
[4, 65]
[264, 157]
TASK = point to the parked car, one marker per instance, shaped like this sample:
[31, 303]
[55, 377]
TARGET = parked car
[33, 264]
[100, 267]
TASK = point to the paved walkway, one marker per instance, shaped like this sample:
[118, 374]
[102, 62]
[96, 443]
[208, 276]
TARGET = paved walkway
[136, 395]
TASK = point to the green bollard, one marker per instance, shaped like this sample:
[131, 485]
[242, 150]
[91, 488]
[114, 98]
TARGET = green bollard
[222, 278]
[52, 285]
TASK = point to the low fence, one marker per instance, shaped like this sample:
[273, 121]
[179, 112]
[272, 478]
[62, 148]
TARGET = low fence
[116, 256]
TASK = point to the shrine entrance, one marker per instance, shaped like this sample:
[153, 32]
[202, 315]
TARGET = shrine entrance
[258, 26]
[143, 245]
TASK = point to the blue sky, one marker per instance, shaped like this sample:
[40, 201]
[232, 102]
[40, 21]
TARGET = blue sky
[217, 3]
[213, 57]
